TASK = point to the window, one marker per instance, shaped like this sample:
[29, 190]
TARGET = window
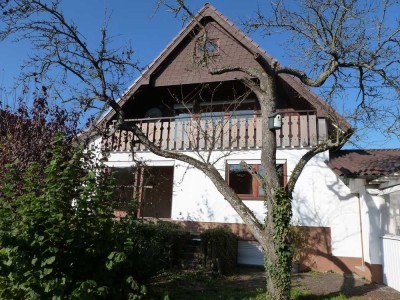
[145, 191]
[156, 195]
[245, 185]
[124, 194]
[208, 48]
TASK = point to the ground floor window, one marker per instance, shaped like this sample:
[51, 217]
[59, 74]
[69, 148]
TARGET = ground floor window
[124, 196]
[245, 185]
[145, 191]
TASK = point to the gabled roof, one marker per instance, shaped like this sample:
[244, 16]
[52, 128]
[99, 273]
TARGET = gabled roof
[208, 11]
[365, 163]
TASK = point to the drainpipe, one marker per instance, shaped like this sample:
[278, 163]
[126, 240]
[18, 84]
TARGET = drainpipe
[361, 231]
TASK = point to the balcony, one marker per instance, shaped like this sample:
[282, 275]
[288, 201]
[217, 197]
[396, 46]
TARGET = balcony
[300, 129]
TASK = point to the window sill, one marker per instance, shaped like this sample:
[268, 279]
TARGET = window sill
[252, 198]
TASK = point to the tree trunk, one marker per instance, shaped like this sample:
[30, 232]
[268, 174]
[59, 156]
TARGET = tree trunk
[278, 254]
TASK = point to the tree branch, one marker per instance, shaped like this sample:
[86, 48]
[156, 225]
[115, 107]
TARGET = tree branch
[249, 71]
[323, 76]
[310, 154]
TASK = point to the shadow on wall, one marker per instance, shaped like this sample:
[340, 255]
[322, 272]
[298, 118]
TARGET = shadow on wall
[318, 205]
[375, 214]
[205, 206]
[316, 254]
[315, 193]
[203, 211]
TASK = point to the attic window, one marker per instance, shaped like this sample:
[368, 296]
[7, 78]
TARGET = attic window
[209, 47]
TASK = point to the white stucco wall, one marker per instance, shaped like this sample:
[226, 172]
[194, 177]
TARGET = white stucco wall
[376, 217]
[372, 207]
[320, 198]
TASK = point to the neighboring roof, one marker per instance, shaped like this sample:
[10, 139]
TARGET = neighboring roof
[365, 163]
[209, 11]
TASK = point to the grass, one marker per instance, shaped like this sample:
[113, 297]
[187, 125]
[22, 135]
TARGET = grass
[203, 286]
[197, 286]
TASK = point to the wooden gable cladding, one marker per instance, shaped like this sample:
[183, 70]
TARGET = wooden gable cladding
[174, 67]
[183, 66]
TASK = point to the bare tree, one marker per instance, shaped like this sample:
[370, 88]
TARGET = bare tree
[348, 43]
[337, 36]
[95, 77]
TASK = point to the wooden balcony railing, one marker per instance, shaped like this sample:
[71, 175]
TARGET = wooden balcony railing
[300, 129]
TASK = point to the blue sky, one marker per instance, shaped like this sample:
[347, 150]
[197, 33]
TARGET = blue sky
[149, 32]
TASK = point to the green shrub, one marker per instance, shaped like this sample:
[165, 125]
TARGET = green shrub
[149, 248]
[59, 238]
[219, 249]
[298, 241]
[57, 233]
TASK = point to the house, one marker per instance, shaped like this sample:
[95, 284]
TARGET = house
[181, 107]
[374, 177]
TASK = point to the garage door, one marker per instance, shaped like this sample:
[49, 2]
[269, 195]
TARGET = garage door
[391, 261]
[250, 253]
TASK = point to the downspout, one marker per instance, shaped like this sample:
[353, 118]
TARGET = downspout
[361, 231]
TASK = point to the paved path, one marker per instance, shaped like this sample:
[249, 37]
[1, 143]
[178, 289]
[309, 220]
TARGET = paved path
[333, 284]
[329, 284]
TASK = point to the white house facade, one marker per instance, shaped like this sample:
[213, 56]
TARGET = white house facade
[185, 109]
[373, 177]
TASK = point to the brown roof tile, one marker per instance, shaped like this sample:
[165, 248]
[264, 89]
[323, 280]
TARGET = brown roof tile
[368, 163]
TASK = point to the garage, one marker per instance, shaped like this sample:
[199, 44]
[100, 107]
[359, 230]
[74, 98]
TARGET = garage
[250, 253]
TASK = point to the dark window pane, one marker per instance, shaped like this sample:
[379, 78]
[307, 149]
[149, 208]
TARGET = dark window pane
[157, 192]
[261, 191]
[240, 180]
[123, 196]
[279, 171]
[123, 176]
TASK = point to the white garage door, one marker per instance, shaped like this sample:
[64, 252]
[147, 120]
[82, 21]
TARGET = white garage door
[250, 253]
[391, 261]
